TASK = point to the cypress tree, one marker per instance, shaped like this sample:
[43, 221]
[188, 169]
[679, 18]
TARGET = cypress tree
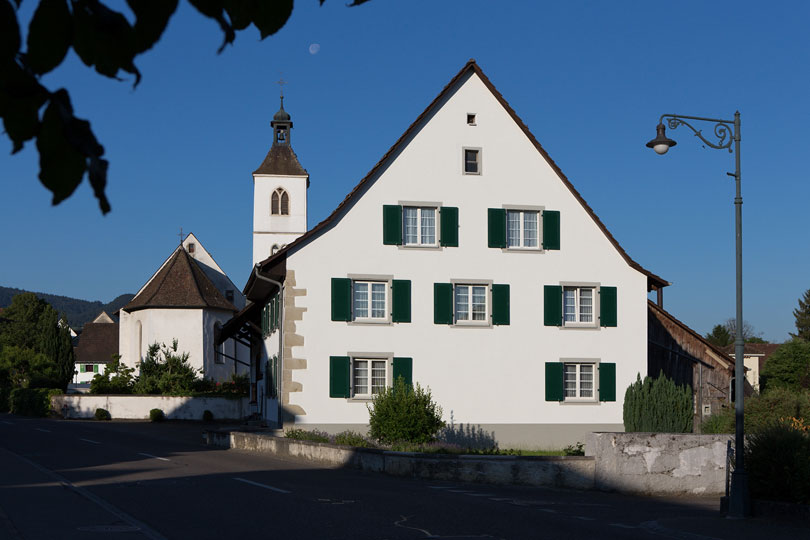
[657, 405]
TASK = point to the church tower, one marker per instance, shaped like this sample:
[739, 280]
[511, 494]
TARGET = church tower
[279, 193]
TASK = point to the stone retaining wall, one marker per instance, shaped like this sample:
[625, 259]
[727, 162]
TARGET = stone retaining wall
[128, 407]
[569, 472]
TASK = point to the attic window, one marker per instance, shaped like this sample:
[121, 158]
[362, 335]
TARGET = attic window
[470, 119]
[229, 295]
[472, 161]
[191, 248]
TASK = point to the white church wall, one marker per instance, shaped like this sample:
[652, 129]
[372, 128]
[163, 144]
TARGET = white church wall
[285, 229]
[162, 326]
[491, 375]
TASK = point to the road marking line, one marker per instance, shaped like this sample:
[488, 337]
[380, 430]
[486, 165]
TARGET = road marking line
[459, 491]
[252, 483]
[583, 518]
[90, 441]
[440, 487]
[549, 510]
[145, 529]
[155, 457]
[42, 430]
[9, 423]
[500, 499]
[623, 526]
[479, 494]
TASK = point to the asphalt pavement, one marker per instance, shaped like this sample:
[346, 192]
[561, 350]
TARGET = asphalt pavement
[71, 479]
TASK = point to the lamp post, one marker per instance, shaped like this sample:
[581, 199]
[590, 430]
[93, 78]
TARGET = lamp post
[726, 133]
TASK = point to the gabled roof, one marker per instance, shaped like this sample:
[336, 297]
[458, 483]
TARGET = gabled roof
[754, 349]
[281, 160]
[103, 318]
[98, 342]
[714, 350]
[653, 281]
[180, 283]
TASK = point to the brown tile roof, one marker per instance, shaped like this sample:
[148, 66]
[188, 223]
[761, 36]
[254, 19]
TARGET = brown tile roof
[653, 281]
[281, 160]
[181, 283]
[97, 343]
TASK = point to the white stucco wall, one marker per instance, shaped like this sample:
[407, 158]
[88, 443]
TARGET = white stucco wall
[279, 230]
[480, 375]
[138, 407]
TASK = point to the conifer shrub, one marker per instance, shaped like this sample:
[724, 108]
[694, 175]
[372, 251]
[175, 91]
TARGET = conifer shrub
[404, 413]
[156, 415]
[657, 405]
[103, 414]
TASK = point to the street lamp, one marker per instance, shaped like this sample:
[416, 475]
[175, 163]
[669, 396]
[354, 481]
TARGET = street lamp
[726, 132]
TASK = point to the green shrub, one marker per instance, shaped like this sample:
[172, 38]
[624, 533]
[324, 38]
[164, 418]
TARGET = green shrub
[32, 401]
[352, 438]
[762, 410]
[577, 449]
[5, 394]
[719, 422]
[304, 435]
[165, 371]
[404, 414]
[657, 405]
[777, 459]
[788, 367]
[156, 415]
[116, 379]
[103, 414]
[208, 416]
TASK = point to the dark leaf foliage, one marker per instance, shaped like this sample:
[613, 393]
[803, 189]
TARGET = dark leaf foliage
[105, 40]
[657, 405]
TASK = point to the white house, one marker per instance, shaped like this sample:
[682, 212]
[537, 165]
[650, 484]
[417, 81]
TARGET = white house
[465, 261]
[188, 298]
[98, 342]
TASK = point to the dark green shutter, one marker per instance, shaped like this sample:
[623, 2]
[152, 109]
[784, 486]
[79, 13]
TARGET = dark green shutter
[554, 381]
[607, 306]
[401, 300]
[341, 299]
[552, 305]
[500, 304]
[95, 368]
[443, 303]
[496, 221]
[551, 229]
[403, 367]
[339, 376]
[392, 225]
[449, 226]
[607, 381]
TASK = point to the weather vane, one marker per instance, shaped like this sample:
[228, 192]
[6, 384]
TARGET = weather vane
[281, 82]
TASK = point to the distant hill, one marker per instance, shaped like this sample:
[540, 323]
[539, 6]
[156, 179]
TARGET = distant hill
[77, 311]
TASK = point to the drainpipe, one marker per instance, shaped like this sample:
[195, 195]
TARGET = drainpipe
[280, 337]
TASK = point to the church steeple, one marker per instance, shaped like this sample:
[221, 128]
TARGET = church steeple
[281, 125]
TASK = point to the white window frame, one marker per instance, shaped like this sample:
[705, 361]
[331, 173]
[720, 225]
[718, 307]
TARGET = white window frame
[579, 362]
[578, 323]
[419, 208]
[479, 160]
[522, 224]
[387, 360]
[370, 280]
[470, 283]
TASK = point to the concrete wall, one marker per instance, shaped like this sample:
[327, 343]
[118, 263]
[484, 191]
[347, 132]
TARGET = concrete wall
[488, 375]
[568, 472]
[659, 462]
[138, 407]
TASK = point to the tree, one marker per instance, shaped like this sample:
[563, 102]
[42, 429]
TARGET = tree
[719, 336]
[802, 314]
[748, 333]
[165, 371]
[105, 40]
[788, 367]
[657, 405]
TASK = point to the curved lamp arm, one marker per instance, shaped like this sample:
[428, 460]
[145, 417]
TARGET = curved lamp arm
[723, 129]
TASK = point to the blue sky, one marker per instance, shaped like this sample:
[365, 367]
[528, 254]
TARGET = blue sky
[589, 78]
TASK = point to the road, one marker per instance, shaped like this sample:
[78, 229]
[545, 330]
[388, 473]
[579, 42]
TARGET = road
[136, 480]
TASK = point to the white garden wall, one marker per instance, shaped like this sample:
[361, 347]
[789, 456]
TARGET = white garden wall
[138, 407]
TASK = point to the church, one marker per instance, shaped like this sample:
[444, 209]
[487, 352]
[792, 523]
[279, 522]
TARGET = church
[465, 261]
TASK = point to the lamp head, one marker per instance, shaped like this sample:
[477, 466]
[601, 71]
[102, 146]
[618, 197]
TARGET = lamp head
[661, 143]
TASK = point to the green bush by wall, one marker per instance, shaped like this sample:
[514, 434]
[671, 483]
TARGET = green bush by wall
[657, 405]
[403, 413]
[32, 401]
